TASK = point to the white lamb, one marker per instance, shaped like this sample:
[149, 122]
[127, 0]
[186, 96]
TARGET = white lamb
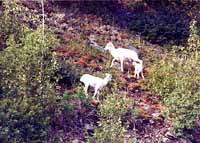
[138, 69]
[121, 54]
[96, 82]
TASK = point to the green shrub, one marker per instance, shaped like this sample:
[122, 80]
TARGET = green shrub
[108, 131]
[110, 127]
[193, 43]
[67, 101]
[194, 39]
[26, 69]
[115, 106]
[23, 120]
[9, 22]
[176, 80]
[67, 73]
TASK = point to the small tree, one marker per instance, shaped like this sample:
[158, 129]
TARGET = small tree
[193, 40]
[27, 89]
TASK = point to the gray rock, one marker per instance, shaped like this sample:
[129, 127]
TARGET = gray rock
[89, 127]
[165, 140]
[93, 44]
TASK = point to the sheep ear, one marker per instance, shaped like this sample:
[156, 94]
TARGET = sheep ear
[110, 43]
[107, 74]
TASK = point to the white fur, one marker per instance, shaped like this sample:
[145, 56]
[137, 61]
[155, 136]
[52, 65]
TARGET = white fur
[96, 82]
[121, 54]
[138, 69]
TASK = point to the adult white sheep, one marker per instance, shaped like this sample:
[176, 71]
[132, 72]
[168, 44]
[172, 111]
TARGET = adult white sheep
[121, 54]
[96, 82]
[138, 69]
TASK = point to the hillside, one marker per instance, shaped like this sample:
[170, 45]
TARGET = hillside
[141, 108]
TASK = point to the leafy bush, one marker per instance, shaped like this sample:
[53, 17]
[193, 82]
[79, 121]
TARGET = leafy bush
[110, 127]
[67, 101]
[177, 82]
[23, 120]
[194, 39]
[193, 45]
[115, 106]
[176, 78]
[9, 22]
[67, 73]
[108, 131]
[25, 72]
[26, 68]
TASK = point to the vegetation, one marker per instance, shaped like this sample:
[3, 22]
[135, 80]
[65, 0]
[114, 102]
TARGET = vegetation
[175, 78]
[27, 65]
[42, 99]
[26, 69]
[110, 127]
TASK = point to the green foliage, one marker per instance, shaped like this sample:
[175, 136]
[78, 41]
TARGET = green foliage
[193, 40]
[23, 120]
[25, 70]
[26, 67]
[176, 78]
[68, 73]
[108, 131]
[67, 101]
[110, 128]
[9, 24]
[115, 106]
[193, 45]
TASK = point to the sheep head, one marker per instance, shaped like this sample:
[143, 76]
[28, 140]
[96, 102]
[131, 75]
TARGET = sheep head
[108, 76]
[109, 46]
[134, 63]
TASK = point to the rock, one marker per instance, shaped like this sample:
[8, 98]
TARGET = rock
[75, 141]
[89, 127]
[185, 140]
[170, 136]
[165, 140]
[96, 46]
[155, 115]
[152, 121]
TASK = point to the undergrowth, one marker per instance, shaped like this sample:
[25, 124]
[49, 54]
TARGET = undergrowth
[175, 78]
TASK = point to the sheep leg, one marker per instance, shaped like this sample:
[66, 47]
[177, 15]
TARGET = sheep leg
[135, 75]
[85, 89]
[138, 74]
[98, 95]
[112, 62]
[142, 75]
[95, 92]
[122, 69]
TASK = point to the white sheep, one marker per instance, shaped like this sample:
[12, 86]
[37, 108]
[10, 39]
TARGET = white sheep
[121, 54]
[138, 69]
[96, 82]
